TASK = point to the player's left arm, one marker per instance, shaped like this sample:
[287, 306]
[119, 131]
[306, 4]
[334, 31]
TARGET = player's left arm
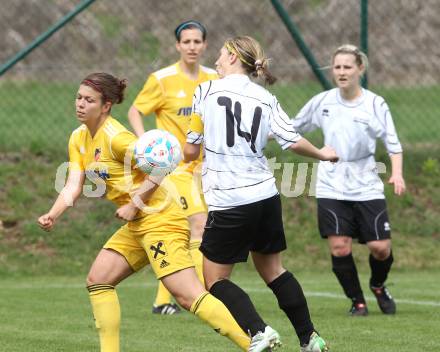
[138, 200]
[387, 132]
[122, 146]
[396, 174]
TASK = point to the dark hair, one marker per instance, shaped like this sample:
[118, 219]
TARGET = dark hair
[110, 87]
[252, 57]
[191, 24]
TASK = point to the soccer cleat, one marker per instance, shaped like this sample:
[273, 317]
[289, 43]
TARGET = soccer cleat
[384, 300]
[166, 309]
[358, 310]
[316, 344]
[266, 341]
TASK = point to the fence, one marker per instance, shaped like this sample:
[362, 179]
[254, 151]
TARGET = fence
[134, 38]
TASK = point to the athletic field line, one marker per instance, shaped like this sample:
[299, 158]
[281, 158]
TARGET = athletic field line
[39, 286]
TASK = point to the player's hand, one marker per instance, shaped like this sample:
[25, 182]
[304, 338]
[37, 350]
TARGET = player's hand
[46, 222]
[127, 211]
[329, 154]
[399, 184]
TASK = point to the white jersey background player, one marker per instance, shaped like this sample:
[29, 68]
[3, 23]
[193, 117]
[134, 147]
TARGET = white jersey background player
[232, 118]
[350, 193]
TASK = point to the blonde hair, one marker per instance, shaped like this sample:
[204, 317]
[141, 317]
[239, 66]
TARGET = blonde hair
[361, 58]
[251, 55]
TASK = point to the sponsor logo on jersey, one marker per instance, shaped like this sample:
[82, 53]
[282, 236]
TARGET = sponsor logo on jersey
[325, 112]
[386, 226]
[361, 120]
[102, 174]
[185, 111]
[94, 174]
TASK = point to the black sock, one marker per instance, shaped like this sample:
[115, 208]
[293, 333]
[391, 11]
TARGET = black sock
[346, 272]
[240, 306]
[380, 270]
[292, 301]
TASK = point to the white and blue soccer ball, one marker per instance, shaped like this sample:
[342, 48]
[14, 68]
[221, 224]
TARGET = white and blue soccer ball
[157, 152]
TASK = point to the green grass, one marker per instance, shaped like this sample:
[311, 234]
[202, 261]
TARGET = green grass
[40, 117]
[28, 191]
[52, 313]
[45, 307]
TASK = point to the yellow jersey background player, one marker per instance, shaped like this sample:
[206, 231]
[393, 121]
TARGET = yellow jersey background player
[168, 93]
[156, 230]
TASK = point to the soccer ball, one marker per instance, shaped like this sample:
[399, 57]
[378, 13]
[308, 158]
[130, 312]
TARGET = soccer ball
[157, 152]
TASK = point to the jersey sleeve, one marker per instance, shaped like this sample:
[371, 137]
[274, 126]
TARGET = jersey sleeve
[384, 126]
[122, 147]
[76, 162]
[151, 97]
[281, 127]
[195, 132]
[306, 120]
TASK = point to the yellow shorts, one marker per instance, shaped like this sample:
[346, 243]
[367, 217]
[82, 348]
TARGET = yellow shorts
[166, 250]
[189, 189]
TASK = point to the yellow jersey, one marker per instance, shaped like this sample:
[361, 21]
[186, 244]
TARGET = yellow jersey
[169, 93]
[107, 160]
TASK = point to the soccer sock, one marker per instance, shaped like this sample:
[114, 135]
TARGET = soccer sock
[163, 296]
[209, 309]
[240, 306]
[197, 258]
[346, 272]
[292, 301]
[380, 270]
[107, 313]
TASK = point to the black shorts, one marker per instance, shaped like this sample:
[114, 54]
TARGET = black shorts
[367, 220]
[230, 234]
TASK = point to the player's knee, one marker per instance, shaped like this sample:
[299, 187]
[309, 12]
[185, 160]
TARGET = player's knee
[340, 246]
[91, 280]
[380, 253]
[94, 278]
[380, 249]
[184, 301]
[340, 250]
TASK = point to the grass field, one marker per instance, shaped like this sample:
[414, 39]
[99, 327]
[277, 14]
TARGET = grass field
[30, 112]
[45, 306]
[53, 314]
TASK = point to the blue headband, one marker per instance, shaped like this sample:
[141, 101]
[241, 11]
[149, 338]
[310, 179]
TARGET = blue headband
[184, 25]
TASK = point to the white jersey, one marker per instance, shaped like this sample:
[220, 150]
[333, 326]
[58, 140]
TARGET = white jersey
[238, 116]
[351, 128]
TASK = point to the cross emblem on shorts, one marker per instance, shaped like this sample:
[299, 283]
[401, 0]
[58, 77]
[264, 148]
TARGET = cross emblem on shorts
[157, 249]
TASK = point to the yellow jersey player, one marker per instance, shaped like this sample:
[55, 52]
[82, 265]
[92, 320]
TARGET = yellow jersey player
[156, 231]
[168, 93]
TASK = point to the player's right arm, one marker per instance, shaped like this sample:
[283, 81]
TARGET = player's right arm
[305, 148]
[135, 119]
[73, 187]
[285, 133]
[67, 197]
[149, 99]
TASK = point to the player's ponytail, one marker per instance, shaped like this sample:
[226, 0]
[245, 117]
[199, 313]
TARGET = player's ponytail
[111, 88]
[252, 57]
